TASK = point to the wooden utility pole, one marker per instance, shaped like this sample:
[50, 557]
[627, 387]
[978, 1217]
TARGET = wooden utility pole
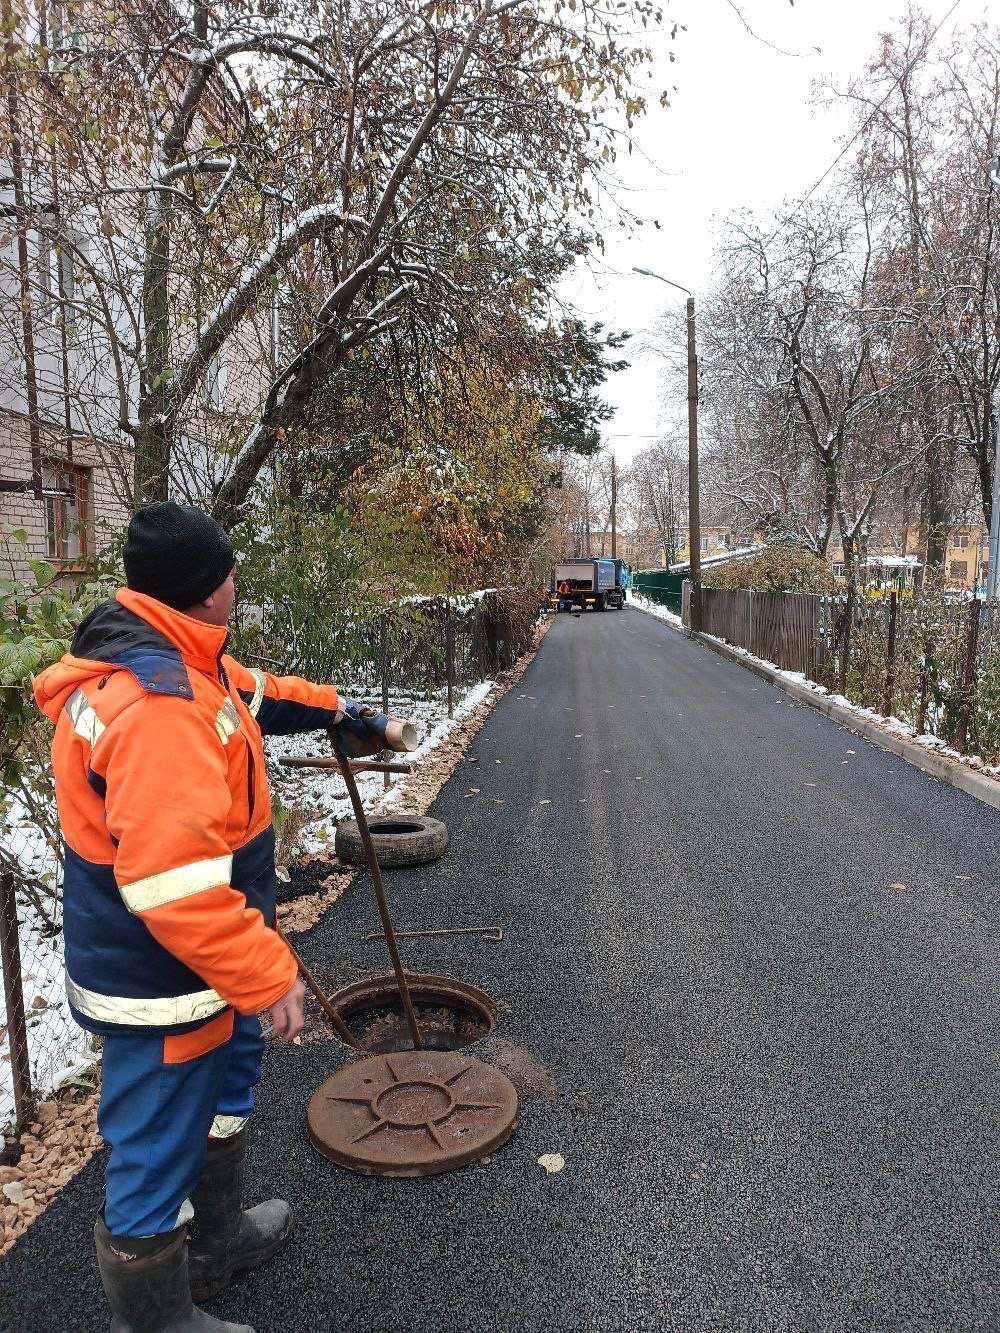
[694, 515]
[614, 508]
[694, 511]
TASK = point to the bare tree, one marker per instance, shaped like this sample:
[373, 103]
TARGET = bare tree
[657, 492]
[273, 198]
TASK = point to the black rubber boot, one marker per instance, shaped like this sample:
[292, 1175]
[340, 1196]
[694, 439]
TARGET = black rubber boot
[146, 1282]
[223, 1239]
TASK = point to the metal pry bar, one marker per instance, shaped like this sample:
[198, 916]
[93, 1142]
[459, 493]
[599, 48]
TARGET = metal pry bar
[381, 898]
[326, 765]
[487, 932]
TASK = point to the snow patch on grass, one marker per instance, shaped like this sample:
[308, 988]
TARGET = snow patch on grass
[58, 1049]
[655, 609]
[321, 796]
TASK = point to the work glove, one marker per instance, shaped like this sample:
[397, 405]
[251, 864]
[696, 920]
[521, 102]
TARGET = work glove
[359, 729]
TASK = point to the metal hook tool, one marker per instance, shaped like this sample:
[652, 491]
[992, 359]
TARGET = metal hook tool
[487, 932]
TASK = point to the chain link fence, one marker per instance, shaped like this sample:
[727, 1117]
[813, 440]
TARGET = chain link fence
[932, 661]
[426, 650]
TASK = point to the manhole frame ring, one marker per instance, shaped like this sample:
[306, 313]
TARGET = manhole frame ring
[426, 988]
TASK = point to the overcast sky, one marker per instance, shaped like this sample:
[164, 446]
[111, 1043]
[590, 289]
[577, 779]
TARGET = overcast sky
[740, 132]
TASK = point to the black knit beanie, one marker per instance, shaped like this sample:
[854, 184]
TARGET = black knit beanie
[177, 554]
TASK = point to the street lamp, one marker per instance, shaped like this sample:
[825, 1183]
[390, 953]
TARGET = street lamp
[694, 515]
[991, 574]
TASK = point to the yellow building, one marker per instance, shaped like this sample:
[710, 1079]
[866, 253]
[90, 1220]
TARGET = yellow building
[966, 559]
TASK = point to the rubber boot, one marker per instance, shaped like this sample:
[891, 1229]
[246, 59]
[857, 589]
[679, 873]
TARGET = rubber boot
[146, 1282]
[223, 1239]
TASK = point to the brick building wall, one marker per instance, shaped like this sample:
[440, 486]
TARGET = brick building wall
[52, 533]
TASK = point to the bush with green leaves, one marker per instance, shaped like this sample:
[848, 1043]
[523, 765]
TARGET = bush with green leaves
[775, 569]
[38, 616]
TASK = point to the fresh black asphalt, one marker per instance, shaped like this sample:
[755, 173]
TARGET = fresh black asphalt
[758, 959]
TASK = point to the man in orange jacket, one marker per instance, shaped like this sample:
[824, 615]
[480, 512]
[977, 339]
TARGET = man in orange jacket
[169, 911]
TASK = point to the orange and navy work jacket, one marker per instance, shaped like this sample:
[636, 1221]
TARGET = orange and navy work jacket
[169, 885]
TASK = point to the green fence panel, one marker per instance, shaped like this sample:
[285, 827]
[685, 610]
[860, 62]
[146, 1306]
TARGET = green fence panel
[660, 585]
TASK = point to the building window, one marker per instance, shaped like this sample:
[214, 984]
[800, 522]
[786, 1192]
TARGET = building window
[67, 510]
[960, 541]
[216, 382]
[959, 569]
[704, 544]
[59, 275]
[838, 569]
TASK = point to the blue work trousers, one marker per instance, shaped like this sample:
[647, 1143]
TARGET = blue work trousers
[161, 1100]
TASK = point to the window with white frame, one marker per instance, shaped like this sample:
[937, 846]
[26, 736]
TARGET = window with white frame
[59, 273]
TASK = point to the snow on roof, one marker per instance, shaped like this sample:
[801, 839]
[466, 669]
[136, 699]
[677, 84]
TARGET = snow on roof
[895, 561]
[738, 553]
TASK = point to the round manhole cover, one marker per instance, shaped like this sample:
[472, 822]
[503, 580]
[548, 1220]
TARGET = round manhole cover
[414, 1113]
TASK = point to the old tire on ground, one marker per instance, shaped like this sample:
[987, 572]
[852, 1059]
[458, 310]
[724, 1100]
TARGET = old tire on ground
[399, 840]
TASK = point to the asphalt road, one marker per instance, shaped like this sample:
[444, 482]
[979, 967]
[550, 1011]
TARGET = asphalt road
[757, 958]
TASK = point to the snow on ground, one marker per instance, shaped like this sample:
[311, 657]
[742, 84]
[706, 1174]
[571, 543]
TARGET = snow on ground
[321, 795]
[59, 1049]
[655, 609]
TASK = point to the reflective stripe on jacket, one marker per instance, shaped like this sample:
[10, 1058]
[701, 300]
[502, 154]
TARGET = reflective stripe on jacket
[169, 882]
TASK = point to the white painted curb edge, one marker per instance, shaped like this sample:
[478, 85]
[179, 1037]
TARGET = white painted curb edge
[951, 771]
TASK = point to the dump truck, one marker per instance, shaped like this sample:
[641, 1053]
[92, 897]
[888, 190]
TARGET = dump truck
[591, 583]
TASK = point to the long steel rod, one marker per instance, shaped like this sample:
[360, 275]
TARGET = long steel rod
[380, 894]
[357, 765]
[488, 932]
[339, 1026]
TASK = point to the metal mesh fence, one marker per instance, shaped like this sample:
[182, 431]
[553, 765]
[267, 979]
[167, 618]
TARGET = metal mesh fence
[432, 650]
[40, 1045]
[931, 661]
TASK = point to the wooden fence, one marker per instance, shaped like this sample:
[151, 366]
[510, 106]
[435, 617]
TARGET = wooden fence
[782, 628]
[930, 660]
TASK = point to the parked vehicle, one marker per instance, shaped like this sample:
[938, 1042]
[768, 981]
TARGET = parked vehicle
[590, 583]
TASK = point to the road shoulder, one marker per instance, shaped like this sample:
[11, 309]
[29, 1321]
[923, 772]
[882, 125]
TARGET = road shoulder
[943, 767]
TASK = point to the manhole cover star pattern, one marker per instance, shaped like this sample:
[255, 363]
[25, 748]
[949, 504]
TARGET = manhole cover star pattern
[412, 1113]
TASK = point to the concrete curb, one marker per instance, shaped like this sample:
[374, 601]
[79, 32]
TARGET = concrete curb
[951, 771]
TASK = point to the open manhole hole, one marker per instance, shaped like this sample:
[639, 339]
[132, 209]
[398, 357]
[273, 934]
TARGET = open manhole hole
[451, 1014]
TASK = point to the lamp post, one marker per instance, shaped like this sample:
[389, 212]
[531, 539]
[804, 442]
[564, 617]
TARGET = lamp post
[991, 573]
[694, 514]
